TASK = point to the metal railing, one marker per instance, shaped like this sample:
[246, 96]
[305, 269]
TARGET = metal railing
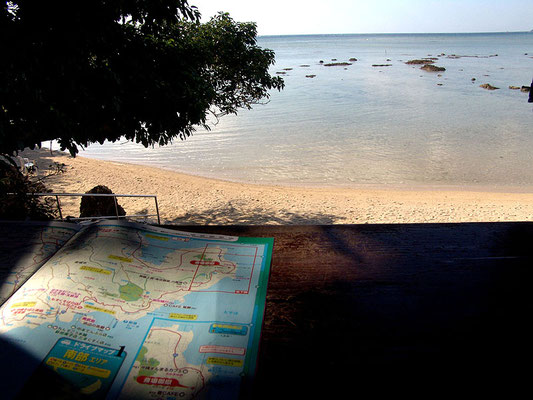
[58, 195]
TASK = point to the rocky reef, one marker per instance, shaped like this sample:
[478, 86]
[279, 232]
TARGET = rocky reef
[432, 68]
[420, 61]
[337, 64]
[488, 86]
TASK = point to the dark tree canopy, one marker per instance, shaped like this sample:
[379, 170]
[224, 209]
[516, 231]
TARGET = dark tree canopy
[85, 71]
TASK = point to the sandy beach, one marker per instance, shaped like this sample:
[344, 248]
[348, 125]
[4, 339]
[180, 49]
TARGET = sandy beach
[188, 200]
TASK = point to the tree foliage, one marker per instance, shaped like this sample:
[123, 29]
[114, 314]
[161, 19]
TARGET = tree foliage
[86, 71]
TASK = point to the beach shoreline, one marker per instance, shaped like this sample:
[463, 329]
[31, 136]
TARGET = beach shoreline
[190, 200]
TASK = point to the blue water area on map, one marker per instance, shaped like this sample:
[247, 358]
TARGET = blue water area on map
[217, 306]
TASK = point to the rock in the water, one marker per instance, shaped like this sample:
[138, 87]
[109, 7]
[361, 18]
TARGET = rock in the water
[281, 72]
[310, 76]
[352, 59]
[382, 65]
[418, 62]
[525, 89]
[432, 68]
[514, 87]
[488, 86]
[337, 64]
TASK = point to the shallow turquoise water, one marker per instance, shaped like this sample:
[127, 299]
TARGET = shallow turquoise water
[364, 125]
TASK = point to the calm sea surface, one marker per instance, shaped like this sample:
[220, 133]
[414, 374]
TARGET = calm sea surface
[363, 125]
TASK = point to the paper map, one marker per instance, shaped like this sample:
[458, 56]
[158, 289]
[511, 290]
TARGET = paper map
[132, 311]
[24, 251]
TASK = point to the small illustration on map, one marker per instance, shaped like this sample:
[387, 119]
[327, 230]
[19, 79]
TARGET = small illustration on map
[228, 329]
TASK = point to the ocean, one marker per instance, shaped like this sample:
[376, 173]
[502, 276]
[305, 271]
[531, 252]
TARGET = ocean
[378, 122]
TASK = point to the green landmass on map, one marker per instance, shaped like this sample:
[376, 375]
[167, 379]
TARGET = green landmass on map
[151, 362]
[203, 257]
[130, 292]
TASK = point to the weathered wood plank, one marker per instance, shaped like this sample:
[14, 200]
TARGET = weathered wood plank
[418, 309]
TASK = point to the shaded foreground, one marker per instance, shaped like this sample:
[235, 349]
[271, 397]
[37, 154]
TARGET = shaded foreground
[427, 310]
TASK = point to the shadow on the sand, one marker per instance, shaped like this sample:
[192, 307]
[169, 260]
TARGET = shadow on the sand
[43, 158]
[231, 215]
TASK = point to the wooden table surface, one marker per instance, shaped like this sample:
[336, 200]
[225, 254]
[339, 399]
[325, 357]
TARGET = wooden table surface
[423, 310]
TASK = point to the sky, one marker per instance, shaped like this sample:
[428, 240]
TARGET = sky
[294, 17]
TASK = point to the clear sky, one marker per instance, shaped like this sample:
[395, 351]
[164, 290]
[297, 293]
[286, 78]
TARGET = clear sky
[285, 17]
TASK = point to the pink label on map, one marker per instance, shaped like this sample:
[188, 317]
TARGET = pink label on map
[237, 351]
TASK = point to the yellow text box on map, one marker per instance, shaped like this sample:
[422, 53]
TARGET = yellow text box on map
[119, 258]
[94, 308]
[162, 238]
[24, 304]
[95, 269]
[187, 317]
[77, 367]
[226, 362]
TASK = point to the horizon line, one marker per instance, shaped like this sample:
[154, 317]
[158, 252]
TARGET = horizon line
[394, 33]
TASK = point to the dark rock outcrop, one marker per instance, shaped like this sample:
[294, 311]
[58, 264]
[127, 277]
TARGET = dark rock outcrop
[488, 86]
[418, 62]
[96, 206]
[432, 68]
[337, 64]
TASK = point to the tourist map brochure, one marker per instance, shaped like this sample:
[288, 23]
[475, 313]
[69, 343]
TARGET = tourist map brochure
[119, 310]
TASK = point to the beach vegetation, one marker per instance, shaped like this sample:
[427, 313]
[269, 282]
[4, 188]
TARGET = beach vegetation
[82, 72]
[17, 201]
